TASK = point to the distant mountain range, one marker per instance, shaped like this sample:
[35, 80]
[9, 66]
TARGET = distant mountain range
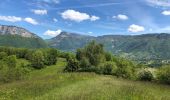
[137, 47]
[19, 37]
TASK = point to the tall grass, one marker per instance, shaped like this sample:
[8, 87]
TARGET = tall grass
[52, 83]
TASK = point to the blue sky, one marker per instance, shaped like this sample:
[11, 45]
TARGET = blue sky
[47, 18]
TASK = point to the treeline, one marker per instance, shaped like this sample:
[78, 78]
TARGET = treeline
[93, 58]
[37, 58]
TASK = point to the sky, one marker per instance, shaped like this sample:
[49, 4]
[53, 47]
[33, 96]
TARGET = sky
[48, 18]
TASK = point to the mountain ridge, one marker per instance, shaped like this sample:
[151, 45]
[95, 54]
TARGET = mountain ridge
[19, 37]
[15, 30]
[137, 47]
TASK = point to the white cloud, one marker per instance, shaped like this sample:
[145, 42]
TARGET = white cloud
[31, 21]
[18, 19]
[136, 28]
[166, 12]
[10, 18]
[52, 1]
[55, 20]
[121, 17]
[90, 32]
[164, 3]
[52, 33]
[77, 16]
[40, 12]
[94, 18]
[49, 1]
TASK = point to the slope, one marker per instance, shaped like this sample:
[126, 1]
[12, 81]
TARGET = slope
[52, 83]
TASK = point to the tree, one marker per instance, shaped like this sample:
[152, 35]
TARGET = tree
[163, 75]
[108, 56]
[9, 70]
[125, 69]
[37, 59]
[80, 54]
[109, 68]
[84, 64]
[72, 65]
[11, 61]
[51, 56]
[93, 52]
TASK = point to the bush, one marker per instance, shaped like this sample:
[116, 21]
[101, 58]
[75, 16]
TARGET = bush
[11, 61]
[145, 75]
[10, 73]
[51, 56]
[3, 55]
[72, 65]
[163, 75]
[108, 56]
[37, 60]
[125, 69]
[109, 68]
[85, 64]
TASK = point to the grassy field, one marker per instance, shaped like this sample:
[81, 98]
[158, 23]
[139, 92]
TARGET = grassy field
[51, 83]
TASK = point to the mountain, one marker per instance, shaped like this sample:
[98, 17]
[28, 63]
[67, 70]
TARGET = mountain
[137, 47]
[19, 37]
[69, 41]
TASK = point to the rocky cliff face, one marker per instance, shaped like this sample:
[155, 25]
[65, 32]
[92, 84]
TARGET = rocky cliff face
[13, 30]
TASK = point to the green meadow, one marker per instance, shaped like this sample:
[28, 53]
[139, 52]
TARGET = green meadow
[51, 83]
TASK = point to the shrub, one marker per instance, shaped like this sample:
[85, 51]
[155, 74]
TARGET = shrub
[10, 73]
[109, 68]
[125, 69]
[108, 56]
[3, 55]
[145, 75]
[85, 64]
[72, 65]
[163, 75]
[11, 61]
[37, 60]
[94, 52]
[51, 56]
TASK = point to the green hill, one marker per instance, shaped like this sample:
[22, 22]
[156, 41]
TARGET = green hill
[137, 47]
[19, 37]
[24, 42]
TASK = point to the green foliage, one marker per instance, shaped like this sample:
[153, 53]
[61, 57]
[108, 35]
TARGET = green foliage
[85, 64]
[145, 75]
[18, 41]
[109, 68]
[11, 71]
[108, 56]
[69, 56]
[125, 69]
[11, 61]
[3, 55]
[51, 56]
[93, 52]
[80, 54]
[163, 75]
[72, 65]
[51, 83]
[93, 58]
[37, 59]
